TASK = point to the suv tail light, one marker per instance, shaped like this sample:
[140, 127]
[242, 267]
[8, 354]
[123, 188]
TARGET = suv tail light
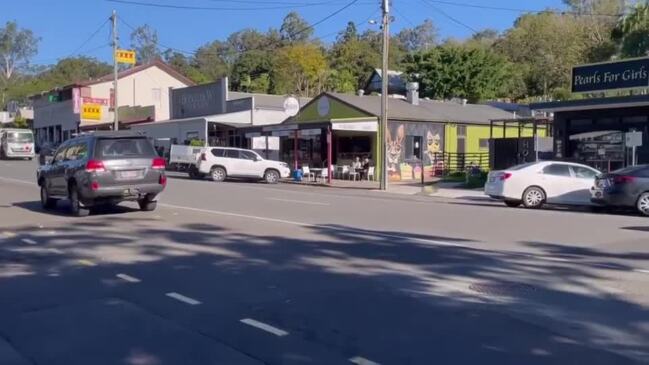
[163, 180]
[505, 175]
[95, 166]
[623, 179]
[158, 163]
[203, 157]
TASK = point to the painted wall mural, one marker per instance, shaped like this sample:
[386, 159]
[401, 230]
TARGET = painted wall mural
[411, 149]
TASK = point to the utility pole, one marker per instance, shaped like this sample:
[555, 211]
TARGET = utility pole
[384, 96]
[115, 71]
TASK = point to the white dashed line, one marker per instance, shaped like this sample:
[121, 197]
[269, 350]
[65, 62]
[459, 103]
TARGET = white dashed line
[55, 250]
[643, 271]
[8, 234]
[128, 278]
[298, 201]
[86, 263]
[264, 327]
[183, 298]
[362, 361]
[28, 241]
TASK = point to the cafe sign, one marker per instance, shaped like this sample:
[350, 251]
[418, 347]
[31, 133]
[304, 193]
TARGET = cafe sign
[627, 74]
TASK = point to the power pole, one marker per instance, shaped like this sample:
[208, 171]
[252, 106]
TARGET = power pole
[384, 96]
[115, 71]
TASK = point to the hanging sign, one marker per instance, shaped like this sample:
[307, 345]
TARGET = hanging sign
[125, 56]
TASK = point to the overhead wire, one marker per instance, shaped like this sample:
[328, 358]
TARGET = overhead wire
[520, 10]
[190, 7]
[448, 16]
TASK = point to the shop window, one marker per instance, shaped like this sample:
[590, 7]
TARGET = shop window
[580, 122]
[483, 143]
[606, 121]
[635, 119]
[413, 147]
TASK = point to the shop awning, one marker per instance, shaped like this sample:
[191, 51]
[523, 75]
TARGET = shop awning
[593, 103]
[371, 126]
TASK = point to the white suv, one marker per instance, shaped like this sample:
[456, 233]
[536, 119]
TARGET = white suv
[222, 162]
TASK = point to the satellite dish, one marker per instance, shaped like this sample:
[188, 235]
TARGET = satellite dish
[291, 106]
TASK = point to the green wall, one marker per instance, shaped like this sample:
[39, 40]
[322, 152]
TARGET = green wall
[474, 133]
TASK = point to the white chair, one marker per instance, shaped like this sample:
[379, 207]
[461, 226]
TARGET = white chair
[307, 174]
[344, 171]
[353, 174]
[370, 172]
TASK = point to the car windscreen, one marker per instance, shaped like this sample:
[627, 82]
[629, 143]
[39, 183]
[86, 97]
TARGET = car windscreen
[116, 148]
[20, 137]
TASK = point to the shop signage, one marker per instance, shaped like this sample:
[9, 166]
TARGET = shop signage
[197, 101]
[76, 100]
[100, 101]
[281, 127]
[91, 111]
[125, 56]
[310, 132]
[265, 143]
[291, 106]
[629, 74]
[355, 126]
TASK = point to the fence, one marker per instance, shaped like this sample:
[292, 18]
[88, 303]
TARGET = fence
[445, 163]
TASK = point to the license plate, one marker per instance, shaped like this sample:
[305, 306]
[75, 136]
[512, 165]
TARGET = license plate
[492, 179]
[130, 174]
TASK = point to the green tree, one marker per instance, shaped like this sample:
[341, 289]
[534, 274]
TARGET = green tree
[300, 69]
[484, 38]
[251, 71]
[17, 47]
[210, 60]
[352, 58]
[632, 32]
[184, 65]
[144, 40]
[459, 71]
[421, 37]
[295, 29]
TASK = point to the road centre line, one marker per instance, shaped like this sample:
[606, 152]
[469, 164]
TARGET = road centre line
[28, 241]
[24, 182]
[264, 327]
[8, 234]
[182, 298]
[298, 201]
[128, 278]
[86, 263]
[643, 271]
[362, 361]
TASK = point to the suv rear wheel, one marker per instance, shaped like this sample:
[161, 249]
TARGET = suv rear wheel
[147, 204]
[218, 174]
[76, 208]
[643, 204]
[46, 201]
[271, 176]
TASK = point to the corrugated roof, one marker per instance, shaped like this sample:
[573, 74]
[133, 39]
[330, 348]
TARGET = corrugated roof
[156, 63]
[427, 110]
[265, 100]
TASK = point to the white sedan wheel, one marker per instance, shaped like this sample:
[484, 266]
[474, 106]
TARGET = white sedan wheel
[643, 204]
[533, 197]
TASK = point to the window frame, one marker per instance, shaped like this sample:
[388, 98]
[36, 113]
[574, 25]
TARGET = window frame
[557, 164]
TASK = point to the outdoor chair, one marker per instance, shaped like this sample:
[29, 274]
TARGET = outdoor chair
[370, 172]
[344, 171]
[307, 174]
[353, 174]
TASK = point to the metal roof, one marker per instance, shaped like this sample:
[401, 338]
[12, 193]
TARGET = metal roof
[266, 101]
[592, 103]
[427, 110]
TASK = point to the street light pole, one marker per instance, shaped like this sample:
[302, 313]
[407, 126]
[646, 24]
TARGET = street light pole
[115, 70]
[384, 96]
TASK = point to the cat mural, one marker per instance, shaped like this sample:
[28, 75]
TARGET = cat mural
[394, 149]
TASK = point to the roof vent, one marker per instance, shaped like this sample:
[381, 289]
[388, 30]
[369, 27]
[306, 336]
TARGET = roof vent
[413, 93]
[361, 92]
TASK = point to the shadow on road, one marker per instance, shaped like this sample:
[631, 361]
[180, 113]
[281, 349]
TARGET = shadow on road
[62, 208]
[394, 297]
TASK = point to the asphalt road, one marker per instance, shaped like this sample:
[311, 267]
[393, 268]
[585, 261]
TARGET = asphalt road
[247, 273]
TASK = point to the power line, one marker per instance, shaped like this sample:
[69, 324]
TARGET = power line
[188, 7]
[519, 10]
[89, 38]
[454, 20]
[412, 24]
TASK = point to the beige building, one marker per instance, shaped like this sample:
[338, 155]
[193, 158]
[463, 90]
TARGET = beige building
[143, 96]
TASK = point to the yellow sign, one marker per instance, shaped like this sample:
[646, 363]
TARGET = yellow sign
[125, 56]
[91, 111]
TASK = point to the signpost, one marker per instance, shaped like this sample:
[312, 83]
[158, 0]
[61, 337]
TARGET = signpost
[633, 140]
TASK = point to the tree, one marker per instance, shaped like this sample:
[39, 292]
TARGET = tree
[598, 19]
[183, 64]
[144, 40]
[17, 47]
[421, 37]
[352, 58]
[210, 60]
[484, 38]
[545, 47]
[295, 29]
[632, 32]
[459, 71]
[251, 71]
[299, 69]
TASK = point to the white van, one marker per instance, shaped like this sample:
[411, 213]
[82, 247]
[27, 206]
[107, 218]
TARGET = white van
[16, 143]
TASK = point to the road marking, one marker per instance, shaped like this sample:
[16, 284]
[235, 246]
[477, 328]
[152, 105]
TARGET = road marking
[310, 225]
[128, 278]
[560, 259]
[643, 271]
[362, 361]
[25, 182]
[86, 263]
[264, 327]
[9, 234]
[183, 298]
[29, 241]
[298, 201]
[55, 250]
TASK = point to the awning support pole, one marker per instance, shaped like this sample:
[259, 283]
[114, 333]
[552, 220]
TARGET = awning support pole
[329, 143]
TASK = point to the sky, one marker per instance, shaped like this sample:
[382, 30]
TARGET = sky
[66, 27]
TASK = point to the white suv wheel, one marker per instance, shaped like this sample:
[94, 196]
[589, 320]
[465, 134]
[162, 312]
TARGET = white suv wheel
[643, 204]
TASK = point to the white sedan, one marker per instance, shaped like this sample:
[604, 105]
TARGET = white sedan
[536, 183]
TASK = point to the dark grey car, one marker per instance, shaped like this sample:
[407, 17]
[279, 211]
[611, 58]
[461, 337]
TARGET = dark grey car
[103, 168]
[625, 188]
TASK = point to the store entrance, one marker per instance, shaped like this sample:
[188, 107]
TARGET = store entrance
[603, 150]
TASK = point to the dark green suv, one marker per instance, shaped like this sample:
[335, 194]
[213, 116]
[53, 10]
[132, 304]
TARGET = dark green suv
[103, 168]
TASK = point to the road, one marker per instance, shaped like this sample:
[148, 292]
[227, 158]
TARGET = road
[247, 273]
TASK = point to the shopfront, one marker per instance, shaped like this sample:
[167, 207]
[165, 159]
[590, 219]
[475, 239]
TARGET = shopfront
[604, 132]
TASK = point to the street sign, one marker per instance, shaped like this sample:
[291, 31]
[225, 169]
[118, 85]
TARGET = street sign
[633, 139]
[100, 101]
[125, 56]
[91, 111]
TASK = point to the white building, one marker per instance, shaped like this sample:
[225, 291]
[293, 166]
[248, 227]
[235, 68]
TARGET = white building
[143, 96]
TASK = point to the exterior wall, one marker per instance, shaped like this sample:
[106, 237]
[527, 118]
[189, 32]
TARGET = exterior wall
[175, 130]
[60, 115]
[262, 116]
[474, 133]
[402, 165]
[147, 87]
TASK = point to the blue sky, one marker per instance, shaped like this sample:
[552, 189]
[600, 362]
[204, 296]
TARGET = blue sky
[64, 25]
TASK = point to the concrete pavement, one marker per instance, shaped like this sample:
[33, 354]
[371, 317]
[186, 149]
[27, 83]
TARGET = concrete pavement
[331, 276]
